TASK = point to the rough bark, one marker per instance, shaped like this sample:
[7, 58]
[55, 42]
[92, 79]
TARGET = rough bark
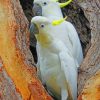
[91, 90]
[18, 80]
[89, 74]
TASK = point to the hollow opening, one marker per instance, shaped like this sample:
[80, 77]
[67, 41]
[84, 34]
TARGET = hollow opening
[75, 16]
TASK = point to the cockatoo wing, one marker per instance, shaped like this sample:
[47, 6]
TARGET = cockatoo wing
[69, 67]
[68, 70]
[73, 36]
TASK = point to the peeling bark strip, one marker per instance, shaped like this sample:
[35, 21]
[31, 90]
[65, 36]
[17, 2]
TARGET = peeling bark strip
[90, 69]
[7, 87]
[15, 54]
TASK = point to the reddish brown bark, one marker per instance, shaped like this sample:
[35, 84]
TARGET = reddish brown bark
[16, 57]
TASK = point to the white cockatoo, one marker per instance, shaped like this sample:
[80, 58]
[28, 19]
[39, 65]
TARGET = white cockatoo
[57, 66]
[49, 8]
[65, 31]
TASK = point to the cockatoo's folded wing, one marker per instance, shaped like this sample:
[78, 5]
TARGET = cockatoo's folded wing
[74, 39]
[69, 67]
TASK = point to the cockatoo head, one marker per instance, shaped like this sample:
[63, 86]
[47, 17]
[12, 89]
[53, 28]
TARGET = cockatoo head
[42, 26]
[43, 7]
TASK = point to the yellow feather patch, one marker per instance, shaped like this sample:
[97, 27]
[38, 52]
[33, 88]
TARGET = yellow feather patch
[57, 22]
[43, 39]
[65, 4]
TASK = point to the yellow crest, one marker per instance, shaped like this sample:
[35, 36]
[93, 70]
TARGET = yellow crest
[65, 4]
[57, 22]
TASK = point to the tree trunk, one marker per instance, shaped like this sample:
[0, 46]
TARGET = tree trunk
[18, 80]
[89, 74]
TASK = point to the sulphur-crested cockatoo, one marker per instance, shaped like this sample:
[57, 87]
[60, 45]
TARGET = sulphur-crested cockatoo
[49, 8]
[57, 65]
[65, 31]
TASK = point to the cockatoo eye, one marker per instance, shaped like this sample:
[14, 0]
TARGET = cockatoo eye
[42, 25]
[44, 3]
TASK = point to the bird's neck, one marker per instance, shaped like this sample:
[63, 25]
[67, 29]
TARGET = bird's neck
[44, 39]
[47, 41]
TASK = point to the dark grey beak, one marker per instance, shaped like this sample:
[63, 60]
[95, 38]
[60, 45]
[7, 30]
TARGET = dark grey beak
[37, 10]
[33, 30]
